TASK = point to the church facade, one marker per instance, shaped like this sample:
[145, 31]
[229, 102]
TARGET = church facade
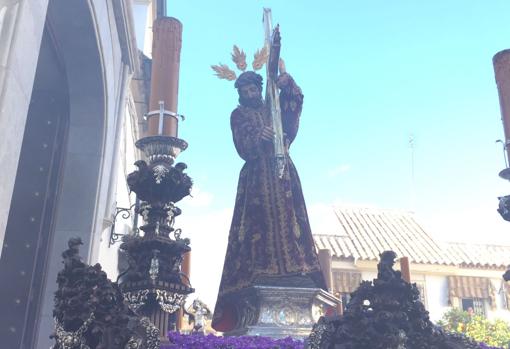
[72, 99]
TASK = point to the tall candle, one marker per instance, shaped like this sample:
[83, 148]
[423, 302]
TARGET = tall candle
[166, 55]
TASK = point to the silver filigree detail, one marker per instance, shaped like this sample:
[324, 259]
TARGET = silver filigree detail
[315, 338]
[169, 302]
[177, 234]
[285, 315]
[161, 148]
[144, 210]
[170, 209]
[402, 338]
[278, 311]
[151, 332]
[149, 339]
[154, 269]
[177, 264]
[317, 311]
[136, 299]
[134, 343]
[160, 171]
[72, 340]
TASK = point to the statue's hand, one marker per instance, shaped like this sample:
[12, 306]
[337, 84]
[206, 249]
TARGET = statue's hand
[267, 134]
[283, 80]
[276, 36]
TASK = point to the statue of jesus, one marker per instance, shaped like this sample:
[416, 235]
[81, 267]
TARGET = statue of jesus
[270, 241]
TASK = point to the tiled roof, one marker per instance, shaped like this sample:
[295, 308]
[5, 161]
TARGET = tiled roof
[363, 233]
[479, 254]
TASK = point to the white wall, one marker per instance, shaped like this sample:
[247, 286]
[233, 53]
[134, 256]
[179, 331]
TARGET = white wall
[368, 275]
[21, 28]
[436, 285]
[501, 311]
[143, 24]
[127, 155]
[437, 295]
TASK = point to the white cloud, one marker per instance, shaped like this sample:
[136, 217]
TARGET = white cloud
[338, 170]
[323, 219]
[198, 198]
[470, 224]
[209, 236]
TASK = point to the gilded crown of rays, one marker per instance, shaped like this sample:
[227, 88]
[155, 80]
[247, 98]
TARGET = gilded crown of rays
[223, 71]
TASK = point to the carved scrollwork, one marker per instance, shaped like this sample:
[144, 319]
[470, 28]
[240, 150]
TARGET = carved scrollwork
[385, 313]
[169, 302]
[149, 338]
[84, 289]
[285, 315]
[160, 171]
[136, 299]
[134, 343]
[72, 339]
[144, 210]
[154, 269]
[151, 334]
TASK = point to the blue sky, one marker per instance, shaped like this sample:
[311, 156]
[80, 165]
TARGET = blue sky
[373, 73]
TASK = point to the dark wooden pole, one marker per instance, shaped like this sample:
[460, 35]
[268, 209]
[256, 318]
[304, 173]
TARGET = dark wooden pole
[501, 62]
[404, 269]
[325, 262]
[185, 269]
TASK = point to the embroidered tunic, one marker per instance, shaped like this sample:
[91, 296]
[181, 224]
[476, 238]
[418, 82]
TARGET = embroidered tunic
[270, 239]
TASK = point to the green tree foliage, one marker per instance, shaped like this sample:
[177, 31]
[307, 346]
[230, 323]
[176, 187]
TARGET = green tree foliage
[494, 333]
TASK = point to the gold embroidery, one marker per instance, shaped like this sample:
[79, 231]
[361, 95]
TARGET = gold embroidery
[297, 229]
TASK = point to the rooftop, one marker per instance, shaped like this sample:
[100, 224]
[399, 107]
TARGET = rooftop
[363, 233]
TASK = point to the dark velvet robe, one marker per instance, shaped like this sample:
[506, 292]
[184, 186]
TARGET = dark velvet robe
[270, 241]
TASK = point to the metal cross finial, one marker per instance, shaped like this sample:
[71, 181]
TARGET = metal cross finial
[505, 145]
[161, 117]
[162, 113]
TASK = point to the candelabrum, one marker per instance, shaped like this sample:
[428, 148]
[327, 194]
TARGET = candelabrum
[153, 284]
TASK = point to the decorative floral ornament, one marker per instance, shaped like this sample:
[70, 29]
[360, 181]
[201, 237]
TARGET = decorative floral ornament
[160, 171]
[72, 339]
[179, 341]
[224, 72]
[260, 58]
[239, 58]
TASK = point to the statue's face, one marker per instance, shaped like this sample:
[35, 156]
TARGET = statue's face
[250, 95]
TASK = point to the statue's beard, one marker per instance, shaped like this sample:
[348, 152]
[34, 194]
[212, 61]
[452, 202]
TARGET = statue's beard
[254, 102]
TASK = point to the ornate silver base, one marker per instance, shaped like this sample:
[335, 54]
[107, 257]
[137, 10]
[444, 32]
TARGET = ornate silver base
[279, 312]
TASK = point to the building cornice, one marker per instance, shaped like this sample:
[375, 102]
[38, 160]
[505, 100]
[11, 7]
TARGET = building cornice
[429, 269]
[123, 13]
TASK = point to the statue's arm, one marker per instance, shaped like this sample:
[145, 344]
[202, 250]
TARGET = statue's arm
[291, 103]
[247, 135]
